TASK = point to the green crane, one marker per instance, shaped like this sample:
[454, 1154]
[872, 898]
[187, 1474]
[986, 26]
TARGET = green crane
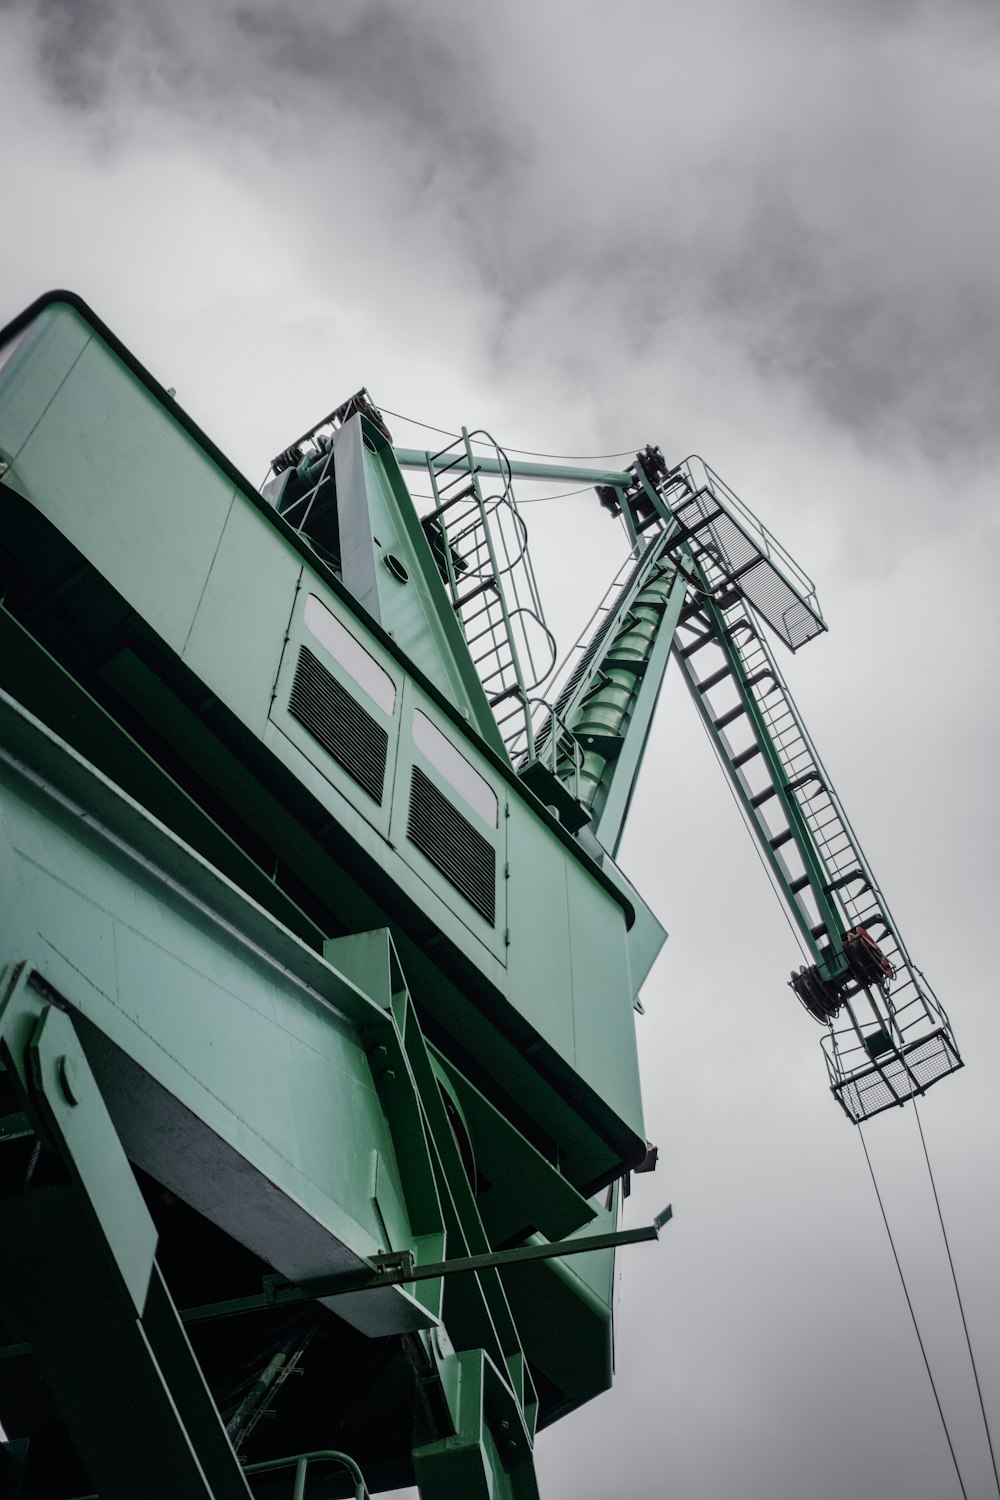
[702, 577]
[317, 970]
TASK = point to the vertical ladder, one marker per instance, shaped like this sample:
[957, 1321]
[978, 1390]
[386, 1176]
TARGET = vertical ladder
[480, 544]
[896, 1039]
[893, 1040]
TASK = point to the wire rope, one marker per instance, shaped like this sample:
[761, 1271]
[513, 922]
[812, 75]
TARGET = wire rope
[525, 452]
[574, 457]
[913, 1315]
[586, 489]
[958, 1295]
[414, 422]
[530, 500]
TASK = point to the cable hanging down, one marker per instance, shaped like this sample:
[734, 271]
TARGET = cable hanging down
[958, 1296]
[913, 1315]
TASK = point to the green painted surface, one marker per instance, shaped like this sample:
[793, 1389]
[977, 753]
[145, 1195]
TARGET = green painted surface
[44, 355]
[242, 614]
[122, 480]
[271, 1068]
[322, 1036]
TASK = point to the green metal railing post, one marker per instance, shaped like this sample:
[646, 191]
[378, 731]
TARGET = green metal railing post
[302, 1462]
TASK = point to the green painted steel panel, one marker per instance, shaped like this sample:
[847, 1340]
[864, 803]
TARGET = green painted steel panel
[569, 966]
[238, 630]
[417, 612]
[33, 366]
[118, 476]
[203, 1009]
[540, 932]
[606, 1054]
[165, 479]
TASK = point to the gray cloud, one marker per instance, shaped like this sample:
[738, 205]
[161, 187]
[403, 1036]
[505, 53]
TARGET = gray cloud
[74, 39]
[768, 230]
[813, 187]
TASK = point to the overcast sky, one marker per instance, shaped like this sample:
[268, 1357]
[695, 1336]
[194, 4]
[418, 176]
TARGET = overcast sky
[766, 231]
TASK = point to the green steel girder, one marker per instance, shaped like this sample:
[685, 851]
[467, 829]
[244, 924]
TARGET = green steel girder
[417, 458]
[401, 1270]
[377, 519]
[99, 1320]
[489, 1456]
[479, 1315]
[622, 774]
[476, 1358]
[801, 835]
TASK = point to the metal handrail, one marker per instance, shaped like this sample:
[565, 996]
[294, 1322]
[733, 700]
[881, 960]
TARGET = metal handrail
[507, 637]
[301, 1461]
[754, 530]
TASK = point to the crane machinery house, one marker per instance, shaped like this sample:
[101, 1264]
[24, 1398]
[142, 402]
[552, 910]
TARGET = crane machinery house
[318, 974]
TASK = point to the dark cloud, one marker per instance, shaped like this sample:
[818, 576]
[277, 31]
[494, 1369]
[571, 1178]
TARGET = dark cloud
[75, 38]
[813, 188]
[288, 76]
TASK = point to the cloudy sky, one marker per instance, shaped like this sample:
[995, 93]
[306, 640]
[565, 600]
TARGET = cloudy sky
[764, 230]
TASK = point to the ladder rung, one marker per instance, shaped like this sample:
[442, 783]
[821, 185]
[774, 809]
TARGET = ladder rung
[745, 755]
[690, 611]
[804, 780]
[734, 713]
[443, 488]
[489, 583]
[713, 681]
[849, 879]
[461, 457]
[493, 618]
[799, 885]
[764, 796]
[780, 838]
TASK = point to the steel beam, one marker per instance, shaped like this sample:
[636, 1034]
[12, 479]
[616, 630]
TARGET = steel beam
[417, 458]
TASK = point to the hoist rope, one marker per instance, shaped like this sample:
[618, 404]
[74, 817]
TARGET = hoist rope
[415, 423]
[587, 489]
[531, 500]
[573, 457]
[913, 1315]
[958, 1296]
[526, 452]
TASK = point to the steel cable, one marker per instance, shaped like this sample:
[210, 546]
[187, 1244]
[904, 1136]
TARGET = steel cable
[958, 1296]
[526, 452]
[913, 1315]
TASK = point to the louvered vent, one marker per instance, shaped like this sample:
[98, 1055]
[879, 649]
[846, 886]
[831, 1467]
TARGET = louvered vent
[451, 843]
[338, 722]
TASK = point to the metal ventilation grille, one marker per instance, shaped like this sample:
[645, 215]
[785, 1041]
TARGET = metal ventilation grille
[451, 844]
[338, 722]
